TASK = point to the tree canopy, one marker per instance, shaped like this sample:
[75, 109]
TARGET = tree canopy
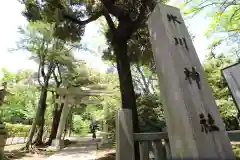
[224, 21]
[54, 34]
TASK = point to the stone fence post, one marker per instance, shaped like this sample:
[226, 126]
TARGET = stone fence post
[124, 135]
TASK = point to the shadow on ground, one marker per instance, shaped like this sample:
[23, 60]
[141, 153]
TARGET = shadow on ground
[112, 156]
[109, 156]
[14, 154]
[21, 154]
[76, 149]
[106, 152]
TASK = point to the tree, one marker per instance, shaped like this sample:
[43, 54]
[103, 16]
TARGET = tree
[130, 15]
[224, 27]
[82, 77]
[139, 47]
[48, 52]
[212, 67]
[57, 110]
[150, 109]
[225, 17]
[107, 110]
[140, 56]
[21, 104]
[151, 115]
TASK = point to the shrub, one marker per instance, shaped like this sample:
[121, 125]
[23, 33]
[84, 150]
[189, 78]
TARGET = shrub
[17, 130]
[80, 126]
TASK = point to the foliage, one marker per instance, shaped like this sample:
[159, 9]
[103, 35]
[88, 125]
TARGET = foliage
[17, 130]
[224, 28]
[55, 26]
[151, 114]
[21, 105]
[50, 53]
[225, 21]
[112, 104]
[130, 16]
[236, 150]
[78, 76]
[81, 126]
[144, 79]
[24, 101]
[46, 50]
[139, 47]
[224, 100]
[107, 110]
[51, 12]
[12, 78]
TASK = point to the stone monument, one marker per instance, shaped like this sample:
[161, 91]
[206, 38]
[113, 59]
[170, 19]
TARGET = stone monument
[194, 125]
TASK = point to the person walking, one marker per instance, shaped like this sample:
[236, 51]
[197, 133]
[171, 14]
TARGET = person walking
[93, 126]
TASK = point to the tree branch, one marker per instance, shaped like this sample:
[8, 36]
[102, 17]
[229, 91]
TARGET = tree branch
[55, 78]
[50, 71]
[58, 82]
[42, 66]
[202, 6]
[109, 21]
[41, 59]
[59, 72]
[39, 71]
[114, 10]
[142, 17]
[83, 22]
[235, 12]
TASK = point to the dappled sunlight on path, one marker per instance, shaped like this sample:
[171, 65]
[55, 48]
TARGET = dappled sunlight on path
[83, 149]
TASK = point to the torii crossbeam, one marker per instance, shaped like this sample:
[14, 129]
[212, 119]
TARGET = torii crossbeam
[74, 95]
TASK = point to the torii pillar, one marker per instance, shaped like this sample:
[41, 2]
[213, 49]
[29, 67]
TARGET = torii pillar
[105, 125]
[73, 96]
[62, 123]
[195, 128]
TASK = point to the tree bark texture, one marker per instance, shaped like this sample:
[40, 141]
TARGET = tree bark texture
[37, 118]
[126, 86]
[40, 122]
[55, 122]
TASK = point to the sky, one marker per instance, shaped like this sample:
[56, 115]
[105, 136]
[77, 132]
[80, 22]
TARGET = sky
[11, 19]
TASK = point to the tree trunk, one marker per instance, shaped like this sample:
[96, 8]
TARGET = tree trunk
[39, 119]
[40, 122]
[40, 129]
[55, 122]
[126, 85]
[32, 130]
[70, 121]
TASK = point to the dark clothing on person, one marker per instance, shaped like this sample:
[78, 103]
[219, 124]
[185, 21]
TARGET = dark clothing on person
[93, 129]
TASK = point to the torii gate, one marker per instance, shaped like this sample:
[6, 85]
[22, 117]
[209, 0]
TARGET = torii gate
[75, 95]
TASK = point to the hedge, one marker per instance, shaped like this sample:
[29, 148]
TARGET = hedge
[17, 130]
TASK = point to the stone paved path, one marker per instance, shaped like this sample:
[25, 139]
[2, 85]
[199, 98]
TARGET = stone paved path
[85, 149]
